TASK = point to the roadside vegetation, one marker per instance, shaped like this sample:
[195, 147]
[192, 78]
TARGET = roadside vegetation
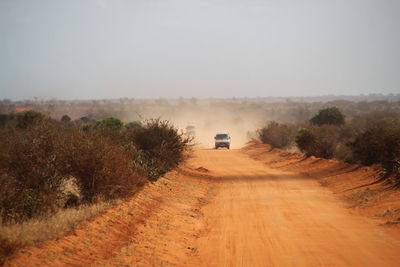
[278, 135]
[366, 139]
[51, 168]
[62, 162]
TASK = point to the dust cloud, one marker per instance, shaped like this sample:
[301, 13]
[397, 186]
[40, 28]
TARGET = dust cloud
[209, 119]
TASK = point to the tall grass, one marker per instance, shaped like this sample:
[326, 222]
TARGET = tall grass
[14, 235]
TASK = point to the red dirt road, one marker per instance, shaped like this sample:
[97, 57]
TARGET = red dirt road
[233, 211]
[267, 217]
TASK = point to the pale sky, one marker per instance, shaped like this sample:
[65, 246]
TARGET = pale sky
[80, 49]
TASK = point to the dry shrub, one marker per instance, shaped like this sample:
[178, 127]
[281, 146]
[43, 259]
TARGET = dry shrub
[379, 143]
[34, 162]
[155, 146]
[346, 135]
[28, 118]
[107, 161]
[162, 145]
[31, 171]
[47, 165]
[318, 141]
[39, 157]
[277, 135]
[101, 167]
[368, 148]
[343, 153]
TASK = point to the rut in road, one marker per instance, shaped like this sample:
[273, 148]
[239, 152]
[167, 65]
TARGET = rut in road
[224, 209]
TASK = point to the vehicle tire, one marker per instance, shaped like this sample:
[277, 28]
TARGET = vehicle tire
[227, 147]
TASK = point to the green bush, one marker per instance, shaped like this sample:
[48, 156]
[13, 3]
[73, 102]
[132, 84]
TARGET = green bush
[330, 116]
[277, 135]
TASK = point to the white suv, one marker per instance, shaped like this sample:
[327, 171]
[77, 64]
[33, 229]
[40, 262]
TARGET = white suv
[222, 140]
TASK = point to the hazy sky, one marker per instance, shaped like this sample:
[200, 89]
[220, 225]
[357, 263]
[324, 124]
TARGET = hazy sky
[206, 48]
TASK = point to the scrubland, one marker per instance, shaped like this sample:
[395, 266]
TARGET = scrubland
[367, 139]
[63, 162]
[54, 174]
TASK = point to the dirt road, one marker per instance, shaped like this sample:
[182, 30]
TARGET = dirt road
[266, 217]
[233, 211]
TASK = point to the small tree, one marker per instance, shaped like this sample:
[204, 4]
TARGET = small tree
[331, 116]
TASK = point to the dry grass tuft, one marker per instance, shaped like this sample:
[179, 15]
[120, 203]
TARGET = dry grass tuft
[14, 236]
